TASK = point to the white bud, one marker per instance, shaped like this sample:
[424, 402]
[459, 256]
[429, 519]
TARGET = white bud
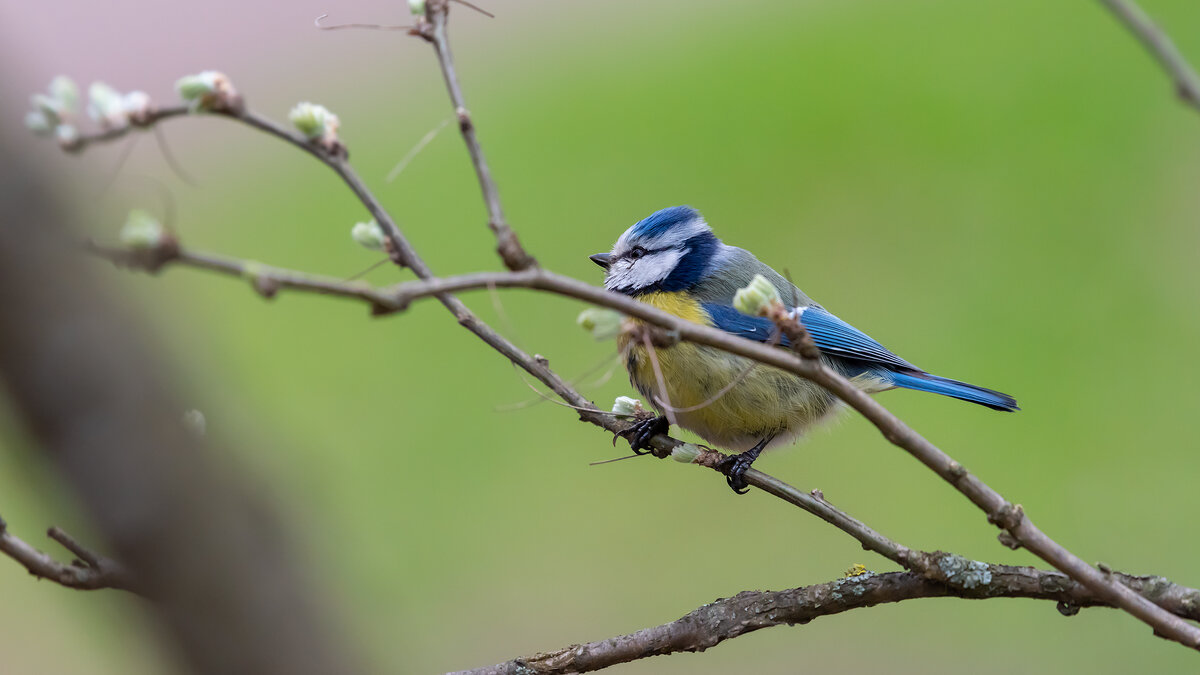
[50, 108]
[757, 297]
[35, 121]
[416, 6]
[106, 105]
[67, 135]
[142, 231]
[601, 323]
[193, 421]
[369, 235]
[625, 405]
[63, 89]
[136, 105]
[685, 453]
[314, 121]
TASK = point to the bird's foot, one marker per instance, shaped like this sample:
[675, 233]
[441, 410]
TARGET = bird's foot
[641, 432]
[735, 466]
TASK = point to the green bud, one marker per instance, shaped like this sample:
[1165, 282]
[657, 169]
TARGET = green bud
[369, 235]
[756, 298]
[625, 405]
[416, 6]
[142, 231]
[36, 122]
[205, 89]
[685, 453]
[601, 323]
[63, 89]
[106, 105]
[192, 87]
[314, 121]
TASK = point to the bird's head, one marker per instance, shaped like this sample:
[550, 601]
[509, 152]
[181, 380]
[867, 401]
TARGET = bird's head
[669, 250]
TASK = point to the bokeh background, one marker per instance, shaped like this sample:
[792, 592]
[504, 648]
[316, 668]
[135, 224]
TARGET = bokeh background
[1002, 191]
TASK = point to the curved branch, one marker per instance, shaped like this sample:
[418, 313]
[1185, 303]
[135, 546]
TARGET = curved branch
[750, 611]
[1000, 511]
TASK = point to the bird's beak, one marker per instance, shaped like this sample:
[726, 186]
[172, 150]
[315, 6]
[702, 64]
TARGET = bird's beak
[601, 259]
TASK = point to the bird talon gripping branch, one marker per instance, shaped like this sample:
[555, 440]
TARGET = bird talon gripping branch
[641, 432]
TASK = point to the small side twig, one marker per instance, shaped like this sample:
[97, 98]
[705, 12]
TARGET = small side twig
[91, 571]
[1160, 46]
[433, 29]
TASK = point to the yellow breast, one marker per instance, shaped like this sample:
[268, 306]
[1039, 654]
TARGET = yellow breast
[725, 399]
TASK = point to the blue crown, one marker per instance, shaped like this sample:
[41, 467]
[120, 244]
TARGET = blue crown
[659, 222]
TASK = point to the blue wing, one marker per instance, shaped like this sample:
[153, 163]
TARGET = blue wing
[834, 336]
[857, 353]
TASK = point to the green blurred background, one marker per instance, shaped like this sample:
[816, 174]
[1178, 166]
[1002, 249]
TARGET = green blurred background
[1002, 191]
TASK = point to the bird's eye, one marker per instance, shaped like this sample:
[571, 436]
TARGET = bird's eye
[637, 252]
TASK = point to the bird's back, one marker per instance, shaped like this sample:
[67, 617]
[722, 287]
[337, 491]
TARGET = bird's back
[733, 268]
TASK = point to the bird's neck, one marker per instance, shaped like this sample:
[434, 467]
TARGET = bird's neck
[681, 304]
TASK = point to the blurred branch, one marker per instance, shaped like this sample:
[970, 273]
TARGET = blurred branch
[750, 611]
[90, 572]
[192, 534]
[432, 27]
[1160, 46]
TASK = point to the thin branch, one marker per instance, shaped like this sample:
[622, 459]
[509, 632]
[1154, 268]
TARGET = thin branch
[750, 611]
[266, 280]
[90, 572]
[1000, 512]
[433, 29]
[1160, 46]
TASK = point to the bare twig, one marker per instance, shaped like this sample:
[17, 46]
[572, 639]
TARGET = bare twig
[1160, 46]
[266, 280]
[750, 611]
[91, 572]
[433, 29]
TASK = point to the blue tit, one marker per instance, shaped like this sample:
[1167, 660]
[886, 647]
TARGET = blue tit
[673, 261]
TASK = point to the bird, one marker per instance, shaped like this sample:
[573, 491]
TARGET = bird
[672, 260]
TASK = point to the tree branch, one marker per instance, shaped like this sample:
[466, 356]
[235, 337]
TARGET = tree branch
[433, 29]
[90, 572]
[1160, 46]
[266, 280]
[750, 611]
[999, 511]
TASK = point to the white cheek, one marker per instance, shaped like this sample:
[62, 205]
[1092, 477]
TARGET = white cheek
[634, 274]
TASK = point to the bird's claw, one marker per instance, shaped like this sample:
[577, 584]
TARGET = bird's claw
[641, 432]
[735, 467]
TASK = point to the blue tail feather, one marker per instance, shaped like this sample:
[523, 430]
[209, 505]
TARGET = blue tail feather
[954, 389]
